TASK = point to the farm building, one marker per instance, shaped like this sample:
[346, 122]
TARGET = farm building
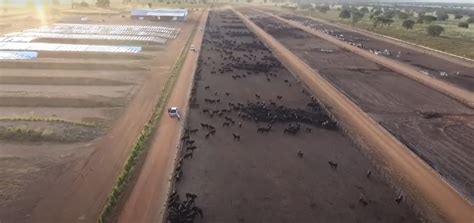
[160, 14]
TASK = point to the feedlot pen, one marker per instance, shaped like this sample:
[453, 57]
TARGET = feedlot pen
[259, 148]
[434, 126]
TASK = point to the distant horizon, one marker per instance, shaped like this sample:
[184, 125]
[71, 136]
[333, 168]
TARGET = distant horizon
[398, 1]
[24, 2]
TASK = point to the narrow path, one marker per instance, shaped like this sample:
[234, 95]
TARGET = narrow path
[149, 195]
[435, 198]
[448, 89]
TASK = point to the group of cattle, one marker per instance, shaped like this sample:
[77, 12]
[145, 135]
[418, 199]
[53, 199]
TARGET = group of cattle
[358, 42]
[248, 59]
[182, 211]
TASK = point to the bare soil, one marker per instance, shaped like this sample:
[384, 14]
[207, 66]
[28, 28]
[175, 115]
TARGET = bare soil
[261, 177]
[69, 182]
[416, 114]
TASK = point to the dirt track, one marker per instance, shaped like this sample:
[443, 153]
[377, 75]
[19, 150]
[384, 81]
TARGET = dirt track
[149, 194]
[435, 197]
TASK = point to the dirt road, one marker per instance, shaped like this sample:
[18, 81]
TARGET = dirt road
[459, 94]
[80, 191]
[434, 197]
[147, 199]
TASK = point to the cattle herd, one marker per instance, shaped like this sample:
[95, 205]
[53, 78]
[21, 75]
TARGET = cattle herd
[374, 47]
[229, 106]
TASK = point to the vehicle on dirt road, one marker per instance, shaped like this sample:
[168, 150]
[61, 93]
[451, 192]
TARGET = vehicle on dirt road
[174, 113]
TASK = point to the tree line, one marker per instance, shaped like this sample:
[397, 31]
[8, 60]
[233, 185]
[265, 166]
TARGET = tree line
[384, 16]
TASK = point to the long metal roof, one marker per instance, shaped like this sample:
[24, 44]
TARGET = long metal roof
[160, 12]
[68, 47]
[89, 37]
[18, 55]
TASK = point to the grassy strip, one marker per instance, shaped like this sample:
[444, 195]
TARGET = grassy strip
[143, 140]
[22, 134]
[47, 119]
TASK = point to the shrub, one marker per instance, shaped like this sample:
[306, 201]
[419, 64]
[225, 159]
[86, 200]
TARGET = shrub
[364, 10]
[463, 25]
[389, 14]
[356, 17]
[428, 18]
[442, 15]
[377, 12]
[458, 16]
[408, 24]
[323, 8]
[470, 20]
[383, 21]
[419, 20]
[434, 30]
[345, 13]
[103, 3]
[402, 15]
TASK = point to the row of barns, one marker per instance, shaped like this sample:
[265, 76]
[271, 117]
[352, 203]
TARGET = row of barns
[163, 14]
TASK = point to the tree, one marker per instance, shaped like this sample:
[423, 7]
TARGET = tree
[458, 16]
[356, 17]
[428, 18]
[408, 24]
[419, 20]
[470, 20]
[389, 13]
[382, 20]
[377, 12]
[323, 8]
[345, 13]
[364, 10]
[103, 3]
[442, 15]
[402, 15]
[463, 25]
[434, 30]
[306, 6]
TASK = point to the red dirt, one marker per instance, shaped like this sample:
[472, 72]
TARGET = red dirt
[149, 194]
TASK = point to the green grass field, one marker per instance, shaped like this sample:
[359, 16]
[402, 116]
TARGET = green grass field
[455, 40]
